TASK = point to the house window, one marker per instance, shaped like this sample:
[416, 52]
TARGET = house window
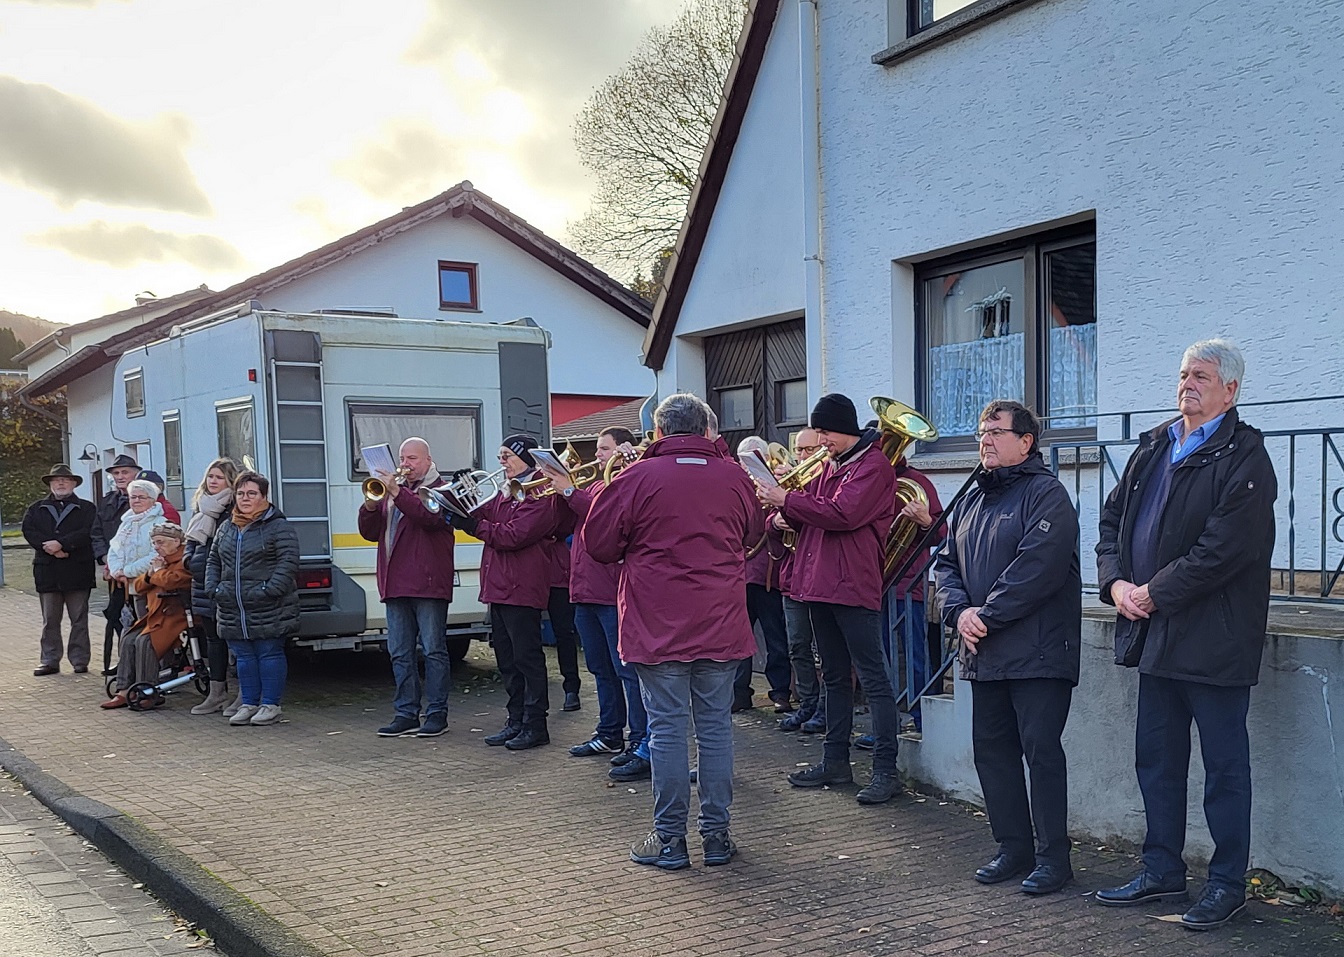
[922, 14]
[236, 430]
[452, 432]
[174, 487]
[736, 409]
[791, 402]
[457, 286]
[135, 392]
[1015, 322]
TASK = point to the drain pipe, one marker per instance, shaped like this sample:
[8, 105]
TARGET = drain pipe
[809, 87]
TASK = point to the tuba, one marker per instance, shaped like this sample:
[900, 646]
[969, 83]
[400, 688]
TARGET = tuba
[900, 427]
[463, 495]
[374, 488]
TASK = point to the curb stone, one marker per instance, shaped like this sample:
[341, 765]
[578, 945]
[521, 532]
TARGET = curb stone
[238, 926]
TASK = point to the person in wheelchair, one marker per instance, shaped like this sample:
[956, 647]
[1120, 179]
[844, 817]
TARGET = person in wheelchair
[166, 589]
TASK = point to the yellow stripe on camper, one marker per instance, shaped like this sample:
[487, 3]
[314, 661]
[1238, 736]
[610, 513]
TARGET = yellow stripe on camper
[348, 540]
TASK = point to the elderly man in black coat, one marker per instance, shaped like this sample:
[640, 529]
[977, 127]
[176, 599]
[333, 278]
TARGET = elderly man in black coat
[1183, 553]
[58, 528]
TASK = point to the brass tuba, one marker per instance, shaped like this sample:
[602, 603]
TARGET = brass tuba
[901, 427]
[375, 490]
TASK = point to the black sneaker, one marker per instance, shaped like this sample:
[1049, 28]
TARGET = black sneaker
[623, 758]
[504, 735]
[636, 769]
[435, 725]
[883, 787]
[822, 774]
[528, 738]
[666, 852]
[719, 848]
[597, 745]
[399, 728]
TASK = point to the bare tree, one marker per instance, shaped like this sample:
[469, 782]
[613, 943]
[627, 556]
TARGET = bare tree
[643, 132]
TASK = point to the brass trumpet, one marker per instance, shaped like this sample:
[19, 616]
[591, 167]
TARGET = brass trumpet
[618, 462]
[375, 490]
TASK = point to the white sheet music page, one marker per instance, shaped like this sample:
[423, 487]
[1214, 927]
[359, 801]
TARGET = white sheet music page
[378, 458]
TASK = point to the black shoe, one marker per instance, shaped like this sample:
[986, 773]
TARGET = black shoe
[865, 742]
[81, 669]
[400, 727]
[1047, 878]
[597, 745]
[882, 788]
[435, 725]
[44, 670]
[815, 724]
[669, 853]
[1217, 906]
[528, 738]
[636, 769]
[572, 702]
[822, 774]
[795, 721]
[1003, 868]
[742, 703]
[624, 757]
[783, 702]
[1141, 890]
[504, 735]
[718, 847]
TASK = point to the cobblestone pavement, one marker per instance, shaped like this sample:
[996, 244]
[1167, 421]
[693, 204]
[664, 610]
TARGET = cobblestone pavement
[60, 897]
[446, 847]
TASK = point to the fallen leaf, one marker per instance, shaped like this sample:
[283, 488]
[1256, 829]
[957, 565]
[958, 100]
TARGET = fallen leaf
[1167, 918]
[109, 755]
[329, 733]
[844, 857]
[380, 883]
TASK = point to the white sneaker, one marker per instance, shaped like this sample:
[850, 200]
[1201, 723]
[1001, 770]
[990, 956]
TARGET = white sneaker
[267, 714]
[244, 714]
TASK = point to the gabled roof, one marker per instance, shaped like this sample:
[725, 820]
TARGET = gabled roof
[462, 200]
[590, 426]
[141, 308]
[709, 183]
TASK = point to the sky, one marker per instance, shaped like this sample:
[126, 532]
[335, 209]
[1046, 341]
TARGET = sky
[155, 145]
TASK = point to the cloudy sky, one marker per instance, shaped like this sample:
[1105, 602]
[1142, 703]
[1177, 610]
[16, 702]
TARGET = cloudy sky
[158, 144]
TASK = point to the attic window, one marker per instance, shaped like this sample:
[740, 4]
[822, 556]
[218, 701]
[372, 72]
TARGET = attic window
[457, 286]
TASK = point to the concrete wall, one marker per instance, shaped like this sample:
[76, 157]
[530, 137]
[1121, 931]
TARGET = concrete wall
[595, 349]
[1297, 757]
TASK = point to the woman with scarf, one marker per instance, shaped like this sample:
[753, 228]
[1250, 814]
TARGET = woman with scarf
[130, 553]
[252, 575]
[212, 501]
[164, 588]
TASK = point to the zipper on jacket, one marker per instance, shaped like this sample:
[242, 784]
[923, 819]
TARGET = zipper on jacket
[238, 577]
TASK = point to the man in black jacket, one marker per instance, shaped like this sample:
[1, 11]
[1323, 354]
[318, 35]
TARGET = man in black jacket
[1184, 552]
[106, 521]
[1009, 583]
[58, 528]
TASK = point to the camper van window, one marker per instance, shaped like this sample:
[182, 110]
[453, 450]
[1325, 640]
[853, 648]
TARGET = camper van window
[452, 431]
[457, 286]
[135, 392]
[236, 429]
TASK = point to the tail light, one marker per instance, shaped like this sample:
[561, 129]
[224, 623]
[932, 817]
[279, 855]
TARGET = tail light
[314, 578]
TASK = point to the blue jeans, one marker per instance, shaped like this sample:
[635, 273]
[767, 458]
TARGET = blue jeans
[592, 622]
[676, 692]
[803, 656]
[910, 631]
[635, 714]
[1162, 760]
[262, 669]
[418, 623]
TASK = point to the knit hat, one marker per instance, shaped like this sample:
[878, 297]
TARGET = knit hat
[520, 445]
[835, 413]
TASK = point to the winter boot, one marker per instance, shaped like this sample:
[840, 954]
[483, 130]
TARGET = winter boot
[215, 700]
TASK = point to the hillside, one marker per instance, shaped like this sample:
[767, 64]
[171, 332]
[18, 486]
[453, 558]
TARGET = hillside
[27, 329]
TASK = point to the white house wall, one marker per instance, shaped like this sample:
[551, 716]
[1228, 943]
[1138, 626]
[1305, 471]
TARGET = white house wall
[1205, 136]
[595, 349]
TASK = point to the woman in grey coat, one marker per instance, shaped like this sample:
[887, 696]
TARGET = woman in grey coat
[252, 574]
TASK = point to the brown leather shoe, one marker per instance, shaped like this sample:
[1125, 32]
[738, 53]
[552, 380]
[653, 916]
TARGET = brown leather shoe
[43, 670]
[116, 701]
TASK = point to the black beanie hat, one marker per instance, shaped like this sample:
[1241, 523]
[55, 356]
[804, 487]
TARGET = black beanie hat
[835, 413]
[520, 445]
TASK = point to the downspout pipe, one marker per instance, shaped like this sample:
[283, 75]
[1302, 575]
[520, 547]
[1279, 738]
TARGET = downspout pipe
[809, 84]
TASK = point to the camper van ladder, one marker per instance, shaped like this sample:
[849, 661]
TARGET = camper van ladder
[296, 388]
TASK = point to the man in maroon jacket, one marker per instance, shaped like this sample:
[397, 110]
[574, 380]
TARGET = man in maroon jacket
[843, 519]
[681, 519]
[415, 581]
[516, 584]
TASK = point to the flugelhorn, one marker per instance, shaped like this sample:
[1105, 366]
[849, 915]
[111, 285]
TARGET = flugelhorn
[375, 490]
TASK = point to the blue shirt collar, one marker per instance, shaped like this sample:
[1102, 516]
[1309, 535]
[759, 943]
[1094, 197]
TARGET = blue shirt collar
[1194, 440]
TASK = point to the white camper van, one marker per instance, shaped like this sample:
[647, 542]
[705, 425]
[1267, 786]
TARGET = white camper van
[299, 395]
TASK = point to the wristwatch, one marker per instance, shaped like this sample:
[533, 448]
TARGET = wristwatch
[568, 492]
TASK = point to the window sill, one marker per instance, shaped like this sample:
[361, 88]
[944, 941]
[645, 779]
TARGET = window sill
[459, 309]
[965, 461]
[948, 29]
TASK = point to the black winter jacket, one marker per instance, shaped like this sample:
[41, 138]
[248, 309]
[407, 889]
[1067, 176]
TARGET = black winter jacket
[107, 521]
[1215, 543]
[68, 522]
[1012, 551]
[198, 557]
[252, 574]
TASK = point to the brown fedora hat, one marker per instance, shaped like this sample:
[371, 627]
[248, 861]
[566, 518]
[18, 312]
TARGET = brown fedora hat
[62, 470]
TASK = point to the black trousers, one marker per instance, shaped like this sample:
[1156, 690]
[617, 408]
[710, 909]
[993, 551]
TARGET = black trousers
[1011, 721]
[216, 649]
[515, 632]
[849, 641]
[766, 606]
[561, 613]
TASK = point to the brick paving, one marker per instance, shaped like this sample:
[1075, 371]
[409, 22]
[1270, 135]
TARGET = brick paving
[373, 847]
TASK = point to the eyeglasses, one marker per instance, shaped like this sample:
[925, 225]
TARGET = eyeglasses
[993, 434]
[806, 450]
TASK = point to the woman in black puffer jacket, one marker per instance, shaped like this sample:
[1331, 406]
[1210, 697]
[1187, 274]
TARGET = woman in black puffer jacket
[252, 574]
[209, 505]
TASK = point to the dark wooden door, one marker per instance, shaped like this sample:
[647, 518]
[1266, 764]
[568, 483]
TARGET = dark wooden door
[751, 374]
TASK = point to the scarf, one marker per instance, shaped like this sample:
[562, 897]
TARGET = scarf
[431, 479]
[243, 519]
[209, 508]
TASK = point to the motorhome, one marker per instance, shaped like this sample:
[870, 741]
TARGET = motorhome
[299, 395]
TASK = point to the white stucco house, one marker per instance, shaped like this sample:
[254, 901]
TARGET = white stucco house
[1044, 200]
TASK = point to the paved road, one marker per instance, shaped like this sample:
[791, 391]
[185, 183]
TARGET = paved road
[61, 898]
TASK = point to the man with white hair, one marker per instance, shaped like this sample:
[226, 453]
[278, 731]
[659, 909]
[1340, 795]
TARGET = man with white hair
[1184, 551]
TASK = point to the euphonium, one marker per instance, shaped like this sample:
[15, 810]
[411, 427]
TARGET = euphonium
[374, 488]
[901, 427]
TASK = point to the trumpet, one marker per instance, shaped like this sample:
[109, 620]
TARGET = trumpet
[375, 490]
[463, 495]
[519, 490]
[581, 475]
[623, 458]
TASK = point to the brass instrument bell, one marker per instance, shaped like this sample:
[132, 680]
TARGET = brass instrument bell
[374, 488]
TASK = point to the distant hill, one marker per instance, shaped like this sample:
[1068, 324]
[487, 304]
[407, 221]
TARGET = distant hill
[27, 329]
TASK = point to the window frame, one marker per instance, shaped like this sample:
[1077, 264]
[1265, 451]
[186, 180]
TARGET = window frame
[779, 402]
[724, 425]
[238, 404]
[474, 304]
[393, 406]
[1031, 250]
[136, 375]
[172, 448]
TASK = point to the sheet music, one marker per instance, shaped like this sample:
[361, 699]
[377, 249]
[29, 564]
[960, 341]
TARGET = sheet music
[758, 469]
[546, 458]
[378, 458]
